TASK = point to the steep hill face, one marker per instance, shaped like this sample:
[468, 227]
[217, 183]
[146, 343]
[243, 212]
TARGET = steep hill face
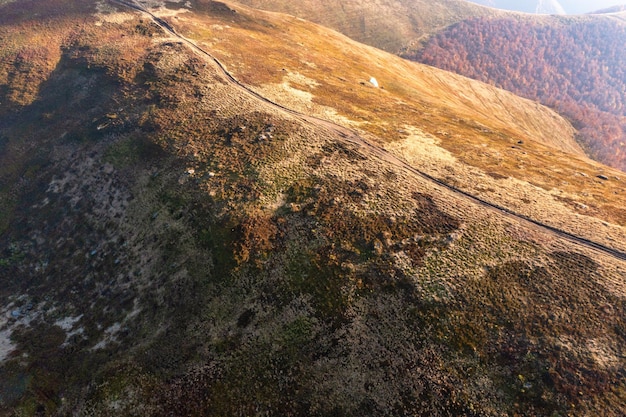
[173, 243]
[389, 25]
[572, 64]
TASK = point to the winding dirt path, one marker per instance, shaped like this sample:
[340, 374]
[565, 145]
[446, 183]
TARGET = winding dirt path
[350, 136]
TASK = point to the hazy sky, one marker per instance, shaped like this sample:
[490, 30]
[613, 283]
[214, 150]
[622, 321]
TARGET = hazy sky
[553, 6]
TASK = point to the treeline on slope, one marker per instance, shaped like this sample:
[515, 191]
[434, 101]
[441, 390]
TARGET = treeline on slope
[578, 68]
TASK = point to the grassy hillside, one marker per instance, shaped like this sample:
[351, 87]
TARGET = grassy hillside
[390, 25]
[471, 132]
[171, 245]
[571, 64]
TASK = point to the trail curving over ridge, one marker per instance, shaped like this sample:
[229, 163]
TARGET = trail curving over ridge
[350, 136]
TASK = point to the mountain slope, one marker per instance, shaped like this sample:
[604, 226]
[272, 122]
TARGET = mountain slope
[418, 106]
[176, 245]
[389, 25]
[569, 74]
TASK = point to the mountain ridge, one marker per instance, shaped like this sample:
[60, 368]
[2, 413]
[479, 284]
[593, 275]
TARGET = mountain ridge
[259, 73]
[352, 137]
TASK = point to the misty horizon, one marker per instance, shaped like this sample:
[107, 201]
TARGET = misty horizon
[552, 6]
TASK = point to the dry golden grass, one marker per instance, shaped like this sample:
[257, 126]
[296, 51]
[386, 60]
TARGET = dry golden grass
[392, 26]
[509, 150]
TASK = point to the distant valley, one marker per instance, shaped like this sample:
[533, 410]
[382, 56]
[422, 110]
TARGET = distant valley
[575, 67]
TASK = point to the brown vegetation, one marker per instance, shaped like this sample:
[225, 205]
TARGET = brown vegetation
[175, 247]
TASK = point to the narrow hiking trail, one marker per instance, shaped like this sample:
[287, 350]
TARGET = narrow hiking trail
[350, 136]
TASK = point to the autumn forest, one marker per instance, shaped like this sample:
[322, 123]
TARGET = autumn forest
[573, 67]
